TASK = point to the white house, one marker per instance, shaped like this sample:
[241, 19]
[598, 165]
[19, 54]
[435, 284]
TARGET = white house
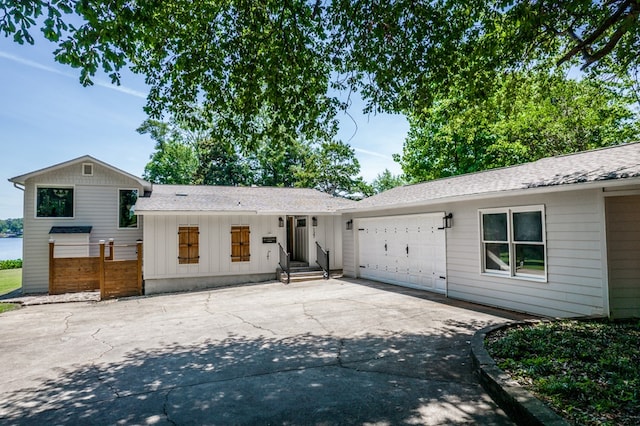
[204, 236]
[557, 237]
[81, 202]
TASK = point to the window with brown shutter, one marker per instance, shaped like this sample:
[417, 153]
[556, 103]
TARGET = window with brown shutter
[240, 244]
[188, 245]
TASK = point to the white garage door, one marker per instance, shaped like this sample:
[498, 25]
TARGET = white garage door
[404, 250]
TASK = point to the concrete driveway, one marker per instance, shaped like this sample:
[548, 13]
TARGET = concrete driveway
[323, 352]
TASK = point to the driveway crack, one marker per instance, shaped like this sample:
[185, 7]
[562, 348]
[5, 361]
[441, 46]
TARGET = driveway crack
[66, 323]
[206, 304]
[310, 316]
[165, 408]
[253, 325]
[110, 348]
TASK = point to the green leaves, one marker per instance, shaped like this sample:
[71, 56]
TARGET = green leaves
[275, 70]
[526, 117]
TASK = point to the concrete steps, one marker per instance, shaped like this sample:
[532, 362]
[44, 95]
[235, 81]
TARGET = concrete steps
[304, 273]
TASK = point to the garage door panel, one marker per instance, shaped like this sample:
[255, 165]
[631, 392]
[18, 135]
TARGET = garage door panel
[404, 250]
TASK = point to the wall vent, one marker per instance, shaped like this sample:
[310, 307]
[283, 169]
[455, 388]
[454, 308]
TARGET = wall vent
[87, 169]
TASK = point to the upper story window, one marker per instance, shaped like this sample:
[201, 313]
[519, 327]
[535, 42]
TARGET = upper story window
[126, 201]
[513, 241]
[54, 202]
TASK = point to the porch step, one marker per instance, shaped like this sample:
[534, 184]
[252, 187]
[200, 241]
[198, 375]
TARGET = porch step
[305, 273]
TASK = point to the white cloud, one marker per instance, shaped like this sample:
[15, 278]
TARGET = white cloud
[106, 85]
[32, 64]
[373, 153]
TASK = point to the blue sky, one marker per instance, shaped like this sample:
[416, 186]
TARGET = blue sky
[47, 117]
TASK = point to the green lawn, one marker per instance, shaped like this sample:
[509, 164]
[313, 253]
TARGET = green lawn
[4, 307]
[10, 279]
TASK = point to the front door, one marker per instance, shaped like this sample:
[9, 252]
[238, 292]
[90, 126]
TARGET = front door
[298, 238]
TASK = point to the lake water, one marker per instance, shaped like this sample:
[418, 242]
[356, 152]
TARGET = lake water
[10, 248]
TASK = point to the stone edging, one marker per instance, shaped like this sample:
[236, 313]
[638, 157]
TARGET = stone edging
[516, 401]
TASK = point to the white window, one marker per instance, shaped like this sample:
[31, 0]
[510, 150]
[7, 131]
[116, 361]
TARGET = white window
[513, 242]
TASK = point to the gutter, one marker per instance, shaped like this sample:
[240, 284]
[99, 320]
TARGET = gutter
[497, 194]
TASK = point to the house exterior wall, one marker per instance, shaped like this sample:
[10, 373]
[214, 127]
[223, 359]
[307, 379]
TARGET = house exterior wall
[95, 204]
[328, 235]
[623, 255]
[163, 273]
[576, 271]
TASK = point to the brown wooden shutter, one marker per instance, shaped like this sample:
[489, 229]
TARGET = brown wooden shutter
[240, 244]
[188, 245]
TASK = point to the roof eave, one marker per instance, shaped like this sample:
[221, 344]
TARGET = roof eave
[20, 180]
[604, 183]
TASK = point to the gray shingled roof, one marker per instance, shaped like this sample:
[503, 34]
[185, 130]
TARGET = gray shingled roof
[238, 199]
[85, 158]
[613, 163]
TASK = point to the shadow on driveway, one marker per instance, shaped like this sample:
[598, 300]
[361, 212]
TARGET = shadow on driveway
[411, 379]
[331, 353]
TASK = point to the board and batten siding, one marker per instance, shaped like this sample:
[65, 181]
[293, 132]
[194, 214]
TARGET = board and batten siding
[161, 269]
[328, 235]
[348, 247]
[574, 253]
[95, 204]
[623, 255]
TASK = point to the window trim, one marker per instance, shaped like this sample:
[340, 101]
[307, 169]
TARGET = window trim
[512, 272]
[118, 209]
[53, 186]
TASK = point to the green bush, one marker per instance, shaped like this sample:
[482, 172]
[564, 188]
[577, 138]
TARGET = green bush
[11, 264]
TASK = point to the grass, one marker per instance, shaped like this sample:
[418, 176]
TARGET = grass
[10, 279]
[5, 307]
[587, 371]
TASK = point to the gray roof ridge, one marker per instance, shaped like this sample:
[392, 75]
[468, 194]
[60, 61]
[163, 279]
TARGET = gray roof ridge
[513, 166]
[86, 157]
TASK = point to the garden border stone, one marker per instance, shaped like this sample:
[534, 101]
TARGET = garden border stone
[515, 400]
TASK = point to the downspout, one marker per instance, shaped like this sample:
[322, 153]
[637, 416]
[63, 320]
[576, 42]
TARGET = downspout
[17, 186]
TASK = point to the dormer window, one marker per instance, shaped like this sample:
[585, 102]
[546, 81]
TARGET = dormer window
[87, 169]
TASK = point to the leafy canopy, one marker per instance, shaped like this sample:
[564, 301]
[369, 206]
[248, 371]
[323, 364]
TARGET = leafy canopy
[184, 156]
[386, 180]
[527, 117]
[243, 60]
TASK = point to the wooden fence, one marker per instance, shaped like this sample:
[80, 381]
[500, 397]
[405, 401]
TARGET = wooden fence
[114, 278]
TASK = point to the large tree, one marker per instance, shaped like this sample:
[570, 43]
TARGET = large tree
[174, 159]
[527, 117]
[242, 59]
[184, 156]
[386, 180]
[332, 167]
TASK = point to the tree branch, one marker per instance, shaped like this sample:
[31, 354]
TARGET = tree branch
[584, 44]
[615, 38]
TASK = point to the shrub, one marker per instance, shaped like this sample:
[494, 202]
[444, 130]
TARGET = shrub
[11, 264]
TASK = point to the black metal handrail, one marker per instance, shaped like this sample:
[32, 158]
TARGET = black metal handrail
[322, 259]
[285, 262]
